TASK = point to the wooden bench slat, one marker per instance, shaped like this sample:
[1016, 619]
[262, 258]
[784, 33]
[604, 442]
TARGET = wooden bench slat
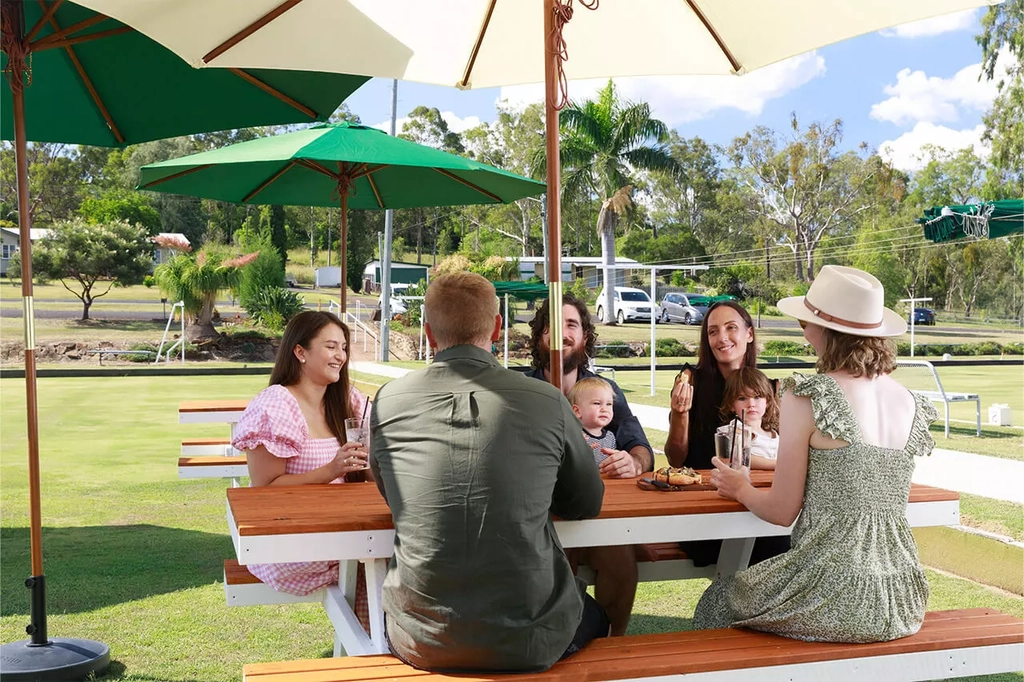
[677, 653]
[212, 460]
[188, 442]
[236, 574]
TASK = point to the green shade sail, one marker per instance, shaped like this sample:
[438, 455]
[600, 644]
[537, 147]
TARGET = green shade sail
[147, 91]
[310, 168]
[986, 220]
[524, 291]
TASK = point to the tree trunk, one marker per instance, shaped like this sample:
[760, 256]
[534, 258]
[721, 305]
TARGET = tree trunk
[202, 327]
[799, 263]
[606, 228]
[85, 309]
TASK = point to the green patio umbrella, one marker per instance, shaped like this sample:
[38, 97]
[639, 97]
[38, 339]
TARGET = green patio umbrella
[344, 164]
[986, 220]
[76, 76]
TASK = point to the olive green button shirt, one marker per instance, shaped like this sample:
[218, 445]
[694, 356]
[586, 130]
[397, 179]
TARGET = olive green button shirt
[473, 460]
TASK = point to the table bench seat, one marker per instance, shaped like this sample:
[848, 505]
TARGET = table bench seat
[950, 644]
[204, 446]
[242, 588]
[213, 466]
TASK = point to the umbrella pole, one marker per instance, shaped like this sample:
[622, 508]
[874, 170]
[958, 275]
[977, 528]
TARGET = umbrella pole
[37, 658]
[343, 252]
[554, 204]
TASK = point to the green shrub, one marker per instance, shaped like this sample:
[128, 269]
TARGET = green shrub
[149, 281]
[788, 348]
[669, 347]
[1013, 349]
[266, 272]
[988, 348]
[140, 357]
[903, 348]
[272, 307]
[248, 334]
[614, 349]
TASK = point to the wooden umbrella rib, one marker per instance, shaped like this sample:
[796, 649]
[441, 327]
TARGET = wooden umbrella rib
[244, 75]
[62, 33]
[366, 170]
[736, 66]
[376, 192]
[469, 184]
[268, 182]
[90, 87]
[48, 11]
[179, 174]
[468, 73]
[249, 30]
[313, 165]
[65, 42]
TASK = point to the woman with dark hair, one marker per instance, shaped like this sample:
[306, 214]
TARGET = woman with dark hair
[293, 432]
[727, 343]
[848, 438]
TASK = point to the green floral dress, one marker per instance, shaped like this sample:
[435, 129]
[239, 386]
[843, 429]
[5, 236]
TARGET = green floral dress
[852, 574]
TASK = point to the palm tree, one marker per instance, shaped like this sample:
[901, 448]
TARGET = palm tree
[196, 279]
[603, 141]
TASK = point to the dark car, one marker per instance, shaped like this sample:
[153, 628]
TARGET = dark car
[922, 316]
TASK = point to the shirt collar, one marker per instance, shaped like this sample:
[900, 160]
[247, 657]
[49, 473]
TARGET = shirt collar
[466, 352]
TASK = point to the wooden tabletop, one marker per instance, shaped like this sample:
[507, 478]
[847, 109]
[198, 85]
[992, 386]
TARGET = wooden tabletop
[303, 509]
[194, 406]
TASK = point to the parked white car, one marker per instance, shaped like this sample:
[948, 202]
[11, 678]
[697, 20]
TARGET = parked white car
[398, 304]
[631, 305]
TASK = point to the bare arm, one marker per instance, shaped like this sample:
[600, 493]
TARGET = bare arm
[268, 469]
[677, 446]
[781, 503]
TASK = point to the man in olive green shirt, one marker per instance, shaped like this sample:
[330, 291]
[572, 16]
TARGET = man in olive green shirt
[473, 459]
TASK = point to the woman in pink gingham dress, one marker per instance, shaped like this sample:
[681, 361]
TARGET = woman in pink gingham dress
[293, 431]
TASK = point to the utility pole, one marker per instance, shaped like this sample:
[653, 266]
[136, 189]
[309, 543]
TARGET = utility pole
[913, 304]
[385, 260]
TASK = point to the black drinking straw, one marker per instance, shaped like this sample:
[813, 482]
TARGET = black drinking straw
[743, 436]
[732, 445]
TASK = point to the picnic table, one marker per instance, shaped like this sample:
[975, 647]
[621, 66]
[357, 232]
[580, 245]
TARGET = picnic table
[353, 523]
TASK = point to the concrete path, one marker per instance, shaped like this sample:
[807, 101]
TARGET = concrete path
[993, 477]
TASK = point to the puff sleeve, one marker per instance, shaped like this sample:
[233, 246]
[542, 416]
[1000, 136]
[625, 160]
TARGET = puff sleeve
[272, 419]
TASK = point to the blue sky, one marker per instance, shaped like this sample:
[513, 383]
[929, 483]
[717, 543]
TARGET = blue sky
[896, 90]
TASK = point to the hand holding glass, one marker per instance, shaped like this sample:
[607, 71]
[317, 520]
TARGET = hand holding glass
[355, 432]
[724, 449]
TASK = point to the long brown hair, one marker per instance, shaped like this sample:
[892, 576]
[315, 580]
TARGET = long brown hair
[301, 331]
[748, 381]
[861, 356]
[708, 378]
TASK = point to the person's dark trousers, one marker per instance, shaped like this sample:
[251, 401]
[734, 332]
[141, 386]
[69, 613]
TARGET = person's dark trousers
[705, 552]
[593, 625]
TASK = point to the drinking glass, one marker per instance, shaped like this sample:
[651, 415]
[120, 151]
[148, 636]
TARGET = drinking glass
[354, 432]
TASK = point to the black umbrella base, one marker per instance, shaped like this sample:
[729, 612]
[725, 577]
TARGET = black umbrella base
[63, 658]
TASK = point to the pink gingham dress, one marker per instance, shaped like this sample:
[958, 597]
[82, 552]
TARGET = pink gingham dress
[274, 420]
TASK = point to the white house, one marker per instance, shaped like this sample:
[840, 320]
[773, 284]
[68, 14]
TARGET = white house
[575, 267]
[10, 243]
[165, 251]
[401, 273]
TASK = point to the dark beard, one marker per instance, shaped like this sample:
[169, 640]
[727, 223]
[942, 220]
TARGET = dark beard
[576, 359]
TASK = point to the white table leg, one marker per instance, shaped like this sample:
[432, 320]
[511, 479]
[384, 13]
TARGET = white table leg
[734, 556]
[375, 570]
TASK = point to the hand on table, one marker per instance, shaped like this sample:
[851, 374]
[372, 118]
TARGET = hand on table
[351, 457]
[618, 464]
[727, 480]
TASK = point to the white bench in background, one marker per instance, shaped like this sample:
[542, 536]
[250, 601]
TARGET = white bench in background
[940, 395]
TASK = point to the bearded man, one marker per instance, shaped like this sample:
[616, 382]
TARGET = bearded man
[615, 567]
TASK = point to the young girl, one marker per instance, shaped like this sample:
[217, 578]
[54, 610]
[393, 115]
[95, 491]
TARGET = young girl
[750, 393]
[593, 403]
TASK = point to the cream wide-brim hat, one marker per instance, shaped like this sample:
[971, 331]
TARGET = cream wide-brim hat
[847, 300]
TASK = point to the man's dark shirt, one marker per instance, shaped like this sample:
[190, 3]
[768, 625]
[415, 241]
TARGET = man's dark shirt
[628, 432]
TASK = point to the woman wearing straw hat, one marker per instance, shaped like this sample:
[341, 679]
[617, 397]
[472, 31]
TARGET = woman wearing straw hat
[848, 437]
[293, 433]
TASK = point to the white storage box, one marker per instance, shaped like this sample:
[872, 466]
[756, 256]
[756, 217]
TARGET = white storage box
[999, 415]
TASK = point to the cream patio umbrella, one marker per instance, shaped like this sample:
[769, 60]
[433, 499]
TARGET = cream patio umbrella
[487, 43]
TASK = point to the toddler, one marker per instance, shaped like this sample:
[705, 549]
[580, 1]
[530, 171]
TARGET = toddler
[750, 393]
[592, 400]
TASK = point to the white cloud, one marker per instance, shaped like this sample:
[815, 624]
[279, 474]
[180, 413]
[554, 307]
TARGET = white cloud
[679, 99]
[946, 23]
[455, 123]
[918, 97]
[906, 152]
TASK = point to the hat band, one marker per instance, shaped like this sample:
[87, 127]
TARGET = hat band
[818, 312]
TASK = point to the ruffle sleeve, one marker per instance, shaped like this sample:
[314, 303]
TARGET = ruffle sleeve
[832, 413]
[358, 402]
[921, 443]
[272, 419]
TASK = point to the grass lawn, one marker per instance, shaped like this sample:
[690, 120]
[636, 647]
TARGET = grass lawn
[134, 555]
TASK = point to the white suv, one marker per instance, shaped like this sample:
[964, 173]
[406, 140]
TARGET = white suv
[630, 305]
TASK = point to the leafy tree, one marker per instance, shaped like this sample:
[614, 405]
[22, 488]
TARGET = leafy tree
[603, 141]
[806, 186]
[55, 182]
[115, 253]
[196, 279]
[123, 205]
[1003, 33]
